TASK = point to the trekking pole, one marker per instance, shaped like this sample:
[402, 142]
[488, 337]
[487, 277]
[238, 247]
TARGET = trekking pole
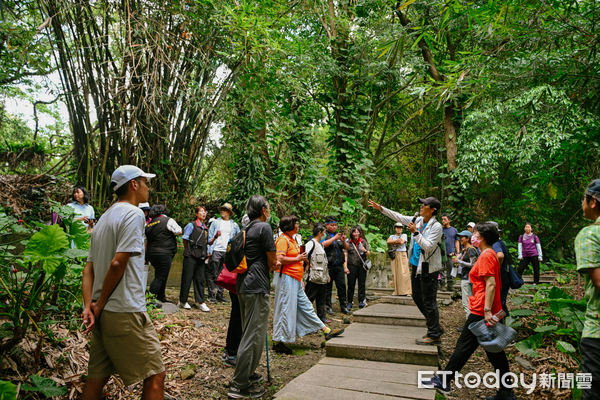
[268, 367]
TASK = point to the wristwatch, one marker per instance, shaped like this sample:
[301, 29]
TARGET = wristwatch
[416, 233]
[487, 309]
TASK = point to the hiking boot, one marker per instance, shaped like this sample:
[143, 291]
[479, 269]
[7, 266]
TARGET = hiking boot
[222, 299]
[282, 348]
[427, 341]
[255, 377]
[442, 287]
[156, 304]
[330, 311]
[252, 391]
[346, 311]
[436, 382]
[163, 300]
[450, 286]
[333, 333]
[441, 333]
[326, 321]
[212, 300]
[228, 360]
[503, 394]
[349, 307]
[362, 304]
[185, 306]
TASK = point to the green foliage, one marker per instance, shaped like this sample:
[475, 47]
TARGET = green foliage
[562, 322]
[44, 281]
[45, 386]
[8, 391]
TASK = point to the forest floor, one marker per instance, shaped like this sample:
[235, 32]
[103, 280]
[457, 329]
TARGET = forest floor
[193, 342]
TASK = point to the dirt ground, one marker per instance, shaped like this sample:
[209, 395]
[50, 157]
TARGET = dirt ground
[212, 377]
[192, 343]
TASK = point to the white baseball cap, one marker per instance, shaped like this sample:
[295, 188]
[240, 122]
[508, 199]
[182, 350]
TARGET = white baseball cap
[471, 224]
[125, 173]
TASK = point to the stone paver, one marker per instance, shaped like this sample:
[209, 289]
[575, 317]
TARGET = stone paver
[388, 343]
[402, 300]
[390, 314]
[334, 378]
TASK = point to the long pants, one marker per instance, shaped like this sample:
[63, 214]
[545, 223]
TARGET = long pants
[448, 267]
[162, 266]
[254, 309]
[217, 259]
[466, 345]
[294, 314]
[424, 289]
[535, 262]
[234, 331]
[466, 289]
[590, 352]
[401, 275]
[357, 272]
[317, 293]
[338, 276]
[192, 271]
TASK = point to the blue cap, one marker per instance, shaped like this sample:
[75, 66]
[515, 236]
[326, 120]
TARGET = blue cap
[593, 189]
[465, 233]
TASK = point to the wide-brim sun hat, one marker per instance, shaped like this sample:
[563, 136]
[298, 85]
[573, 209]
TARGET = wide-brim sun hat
[227, 207]
[125, 173]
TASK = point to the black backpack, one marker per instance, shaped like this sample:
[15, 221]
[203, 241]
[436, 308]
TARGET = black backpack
[235, 258]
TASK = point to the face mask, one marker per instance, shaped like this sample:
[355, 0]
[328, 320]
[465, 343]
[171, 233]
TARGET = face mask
[475, 240]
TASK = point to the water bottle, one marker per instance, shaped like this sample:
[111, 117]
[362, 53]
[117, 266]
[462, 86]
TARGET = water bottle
[498, 316]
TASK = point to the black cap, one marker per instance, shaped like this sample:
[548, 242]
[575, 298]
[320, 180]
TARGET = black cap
[431, 202]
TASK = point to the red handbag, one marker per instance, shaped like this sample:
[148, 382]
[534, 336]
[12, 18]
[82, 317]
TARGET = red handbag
[226, 280]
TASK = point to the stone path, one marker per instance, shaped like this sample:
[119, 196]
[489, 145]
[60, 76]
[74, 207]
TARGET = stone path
[375, 359]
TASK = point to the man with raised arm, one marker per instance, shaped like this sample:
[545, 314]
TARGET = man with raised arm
[587, 248]
[425, 260]
[123, 340]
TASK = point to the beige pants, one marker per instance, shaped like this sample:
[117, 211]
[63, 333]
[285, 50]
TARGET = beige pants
[401, 274]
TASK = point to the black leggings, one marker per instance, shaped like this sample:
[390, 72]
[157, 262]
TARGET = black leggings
[234, 331]
[162, 266]
[357, 272]
[535, 262]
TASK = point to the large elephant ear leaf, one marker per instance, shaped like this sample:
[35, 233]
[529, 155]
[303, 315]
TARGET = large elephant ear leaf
[80, 235]
[49, 241]
[8, 391]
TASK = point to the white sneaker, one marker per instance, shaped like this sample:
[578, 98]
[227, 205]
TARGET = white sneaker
[186, 306]
[204, 307]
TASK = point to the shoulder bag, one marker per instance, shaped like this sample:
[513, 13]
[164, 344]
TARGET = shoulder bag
[366, 265]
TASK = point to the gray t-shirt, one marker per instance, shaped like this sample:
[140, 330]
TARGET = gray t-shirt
[120, 230]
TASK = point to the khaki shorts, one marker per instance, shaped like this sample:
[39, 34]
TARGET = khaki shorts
[125, 344]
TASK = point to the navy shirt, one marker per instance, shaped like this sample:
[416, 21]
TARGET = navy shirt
[451, 234]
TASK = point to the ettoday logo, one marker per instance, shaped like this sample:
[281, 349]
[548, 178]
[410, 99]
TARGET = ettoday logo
[493, 380]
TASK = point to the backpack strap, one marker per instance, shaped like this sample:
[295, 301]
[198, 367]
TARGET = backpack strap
[288, 249]
[438, 245]
[308, 257]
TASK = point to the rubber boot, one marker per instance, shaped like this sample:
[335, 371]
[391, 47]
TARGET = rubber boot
[450, 286]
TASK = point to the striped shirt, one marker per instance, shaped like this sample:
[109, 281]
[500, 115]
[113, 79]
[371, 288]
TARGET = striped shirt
[587, 248]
